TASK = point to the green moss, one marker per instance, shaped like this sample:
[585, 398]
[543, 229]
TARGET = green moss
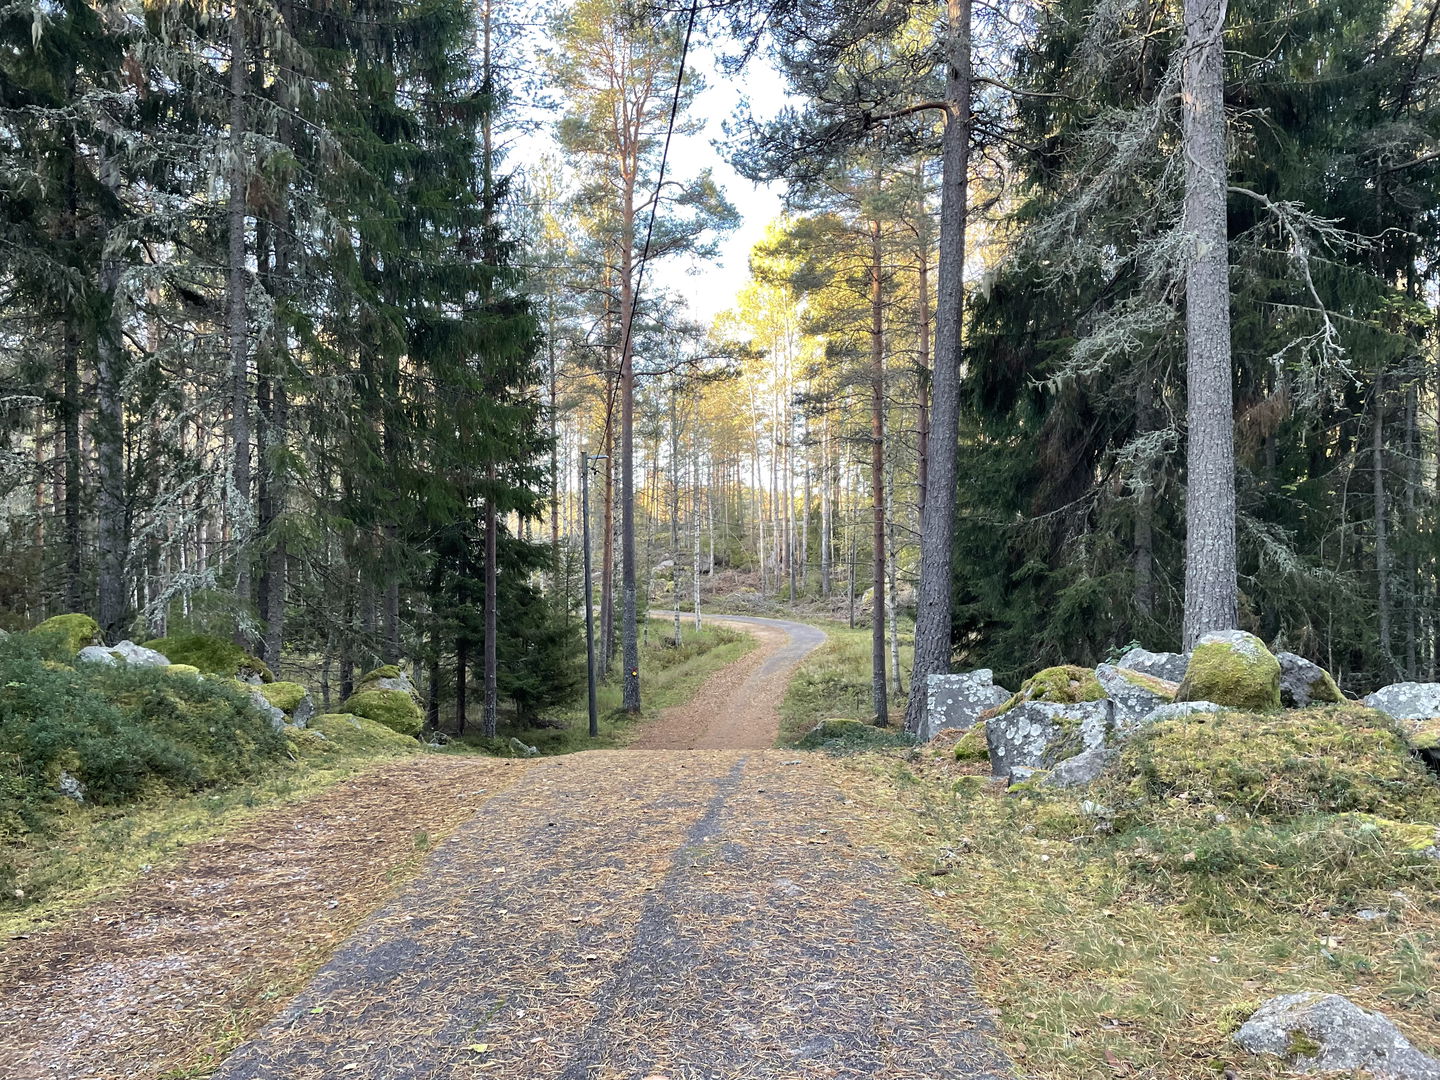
[1324, 691]
[347, 733]
[76, 631]
[1067, 684]
[1427, 736]
[972, 745]
[1408, 838]
[1302, 1046]
[1239, 677]
[393, 708]
[1159, 687]
[385, 671]
[285, 696]
[1326, 759]
[211, 655]
[970, 785]
[184, 669]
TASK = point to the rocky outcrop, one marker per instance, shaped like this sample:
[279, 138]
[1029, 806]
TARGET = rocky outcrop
[1234, 669]
[1324, 1033]
[1410, 701]
[956, 701]
[1305, 683]
[1134, 693]
[1041, 734]
[1169, 666]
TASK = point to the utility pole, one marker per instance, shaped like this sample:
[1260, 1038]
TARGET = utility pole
[585, 459]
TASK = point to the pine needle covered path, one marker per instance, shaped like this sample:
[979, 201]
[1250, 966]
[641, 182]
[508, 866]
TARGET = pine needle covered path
[626, 915]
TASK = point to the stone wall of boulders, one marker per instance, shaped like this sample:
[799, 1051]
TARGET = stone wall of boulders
[1066, 724]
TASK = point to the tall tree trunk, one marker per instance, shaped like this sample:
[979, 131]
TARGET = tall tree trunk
[462, 660]
[1412, 532]
[70, 406]
[111, 511]
[879, 691]
[932, 615]
[237, 316]
[1211, 589]
[490, 717]
[922, 361]
[607, 554]
[826, 507]
[695, 527]
[892, 576]
[1382, 529]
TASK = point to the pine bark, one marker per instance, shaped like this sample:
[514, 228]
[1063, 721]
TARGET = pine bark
[879, 691]
[237, 315]
[1211, 590]
[933, 591]
[111, 511]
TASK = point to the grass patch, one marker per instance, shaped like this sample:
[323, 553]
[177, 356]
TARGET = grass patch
[834, 681]
[1130, 928]
[669, 675]
[93, 850]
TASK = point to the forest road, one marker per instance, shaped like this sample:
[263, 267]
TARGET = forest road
[652, 913]
[738, 708]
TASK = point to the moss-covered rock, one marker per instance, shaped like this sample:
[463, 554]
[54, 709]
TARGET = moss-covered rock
[1234, 669]
[212, 655]
[1303, 682]
[971, 746]
[384, 671]
[184, 669]
[285, 696]
[1426, 737]
[393, 708]
[351, 734]
[76, 631]
[1330, 759]
[1067, 684]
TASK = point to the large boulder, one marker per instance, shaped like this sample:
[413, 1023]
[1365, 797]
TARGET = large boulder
[1042, 734]
[1234, 669]
[1410, 701]
[76, 631]
[390, 677]
[1173, 711]
[125, 652]
[956, 701]
[1082, 770]
[273, 713]
[395, 709]
[1305, 683]
[290, 698]
[1134, 693]
[1169, 666]
[1316, 1032]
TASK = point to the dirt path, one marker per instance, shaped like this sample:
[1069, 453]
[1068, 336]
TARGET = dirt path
[626, 915]
[163, 978]
[738, 707]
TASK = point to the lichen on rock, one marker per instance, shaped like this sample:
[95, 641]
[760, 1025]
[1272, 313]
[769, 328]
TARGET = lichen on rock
[1234, 669]
[1303, 682]
[1067, 684]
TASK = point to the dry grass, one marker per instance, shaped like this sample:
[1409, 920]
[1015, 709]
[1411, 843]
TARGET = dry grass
[1101, 962]
[165, 980]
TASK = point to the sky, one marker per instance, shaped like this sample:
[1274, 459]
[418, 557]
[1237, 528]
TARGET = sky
[709, 286]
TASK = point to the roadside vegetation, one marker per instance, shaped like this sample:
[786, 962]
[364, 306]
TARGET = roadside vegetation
[834, 682]
[1128, 929]
[111, 771]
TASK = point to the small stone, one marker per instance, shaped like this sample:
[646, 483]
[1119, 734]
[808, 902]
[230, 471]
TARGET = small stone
[1081, 770]
[70, 787]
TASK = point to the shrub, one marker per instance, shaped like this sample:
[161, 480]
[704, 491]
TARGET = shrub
[121, 731]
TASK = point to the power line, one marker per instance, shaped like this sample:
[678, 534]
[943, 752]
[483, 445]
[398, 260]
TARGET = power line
[625, 339]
